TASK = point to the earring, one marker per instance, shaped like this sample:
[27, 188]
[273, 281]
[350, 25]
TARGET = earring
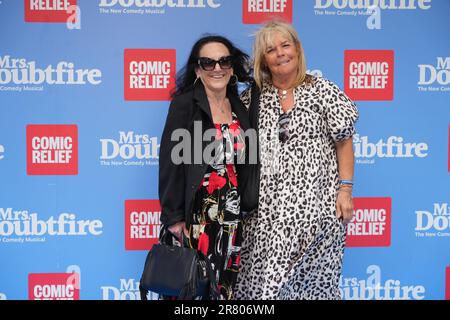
[195, 81]
[235, 78]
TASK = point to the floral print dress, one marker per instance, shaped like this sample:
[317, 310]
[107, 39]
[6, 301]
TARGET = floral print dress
[216, 227]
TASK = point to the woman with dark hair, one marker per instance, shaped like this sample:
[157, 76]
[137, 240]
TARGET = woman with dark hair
[199, 193]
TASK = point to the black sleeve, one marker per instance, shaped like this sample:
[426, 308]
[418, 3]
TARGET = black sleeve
[171, 176]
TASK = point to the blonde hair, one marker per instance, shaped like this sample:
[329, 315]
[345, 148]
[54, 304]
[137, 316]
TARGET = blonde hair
[264, 39]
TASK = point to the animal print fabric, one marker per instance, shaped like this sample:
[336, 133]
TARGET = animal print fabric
[293, 244]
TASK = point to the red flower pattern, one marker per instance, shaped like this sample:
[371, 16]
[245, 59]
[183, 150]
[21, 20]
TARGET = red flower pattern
[215, 182]
[235, 128]
[203, 243]
[219, 135]
[232, 174]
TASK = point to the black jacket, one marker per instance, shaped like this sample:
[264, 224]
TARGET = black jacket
[178, 183]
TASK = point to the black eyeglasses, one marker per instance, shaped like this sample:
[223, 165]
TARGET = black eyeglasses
[283, 127]
[208, 64]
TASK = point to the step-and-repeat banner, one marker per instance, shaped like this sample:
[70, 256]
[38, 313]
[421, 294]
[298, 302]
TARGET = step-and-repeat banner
[84, 94]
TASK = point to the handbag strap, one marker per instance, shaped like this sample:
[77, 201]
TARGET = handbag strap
[214, 293]
[165, 237]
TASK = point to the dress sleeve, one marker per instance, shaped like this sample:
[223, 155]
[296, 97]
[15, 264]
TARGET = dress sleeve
[341, 112]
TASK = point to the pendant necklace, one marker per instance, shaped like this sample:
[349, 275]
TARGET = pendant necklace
[283, 94]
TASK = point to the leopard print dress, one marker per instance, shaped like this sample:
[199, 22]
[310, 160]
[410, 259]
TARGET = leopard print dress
[293, 245]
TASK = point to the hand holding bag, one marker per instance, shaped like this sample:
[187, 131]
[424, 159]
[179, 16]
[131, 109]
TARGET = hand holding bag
[176, 271]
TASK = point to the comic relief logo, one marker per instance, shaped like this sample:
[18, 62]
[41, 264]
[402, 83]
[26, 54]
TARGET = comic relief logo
[371, 223]
[131, 149]
[50, 10]
[374, 288]
[17, 74]
[369, 74]
[435, 78]
[434, 223]
[142, 224]
[52, 150]
[54, 286]
[367, 151]
[260, 11]
[128, 290]
[19, 226]
[149, 74]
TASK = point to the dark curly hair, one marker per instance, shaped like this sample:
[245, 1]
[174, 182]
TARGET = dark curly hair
[186, 76]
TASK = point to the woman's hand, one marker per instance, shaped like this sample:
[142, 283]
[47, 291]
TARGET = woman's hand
[344, 205]
[177, 228]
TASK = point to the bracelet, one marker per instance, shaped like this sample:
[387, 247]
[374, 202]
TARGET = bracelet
[350, 182]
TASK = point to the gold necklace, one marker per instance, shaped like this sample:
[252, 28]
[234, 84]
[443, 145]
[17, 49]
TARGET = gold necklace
[283, 93]
[221, 106]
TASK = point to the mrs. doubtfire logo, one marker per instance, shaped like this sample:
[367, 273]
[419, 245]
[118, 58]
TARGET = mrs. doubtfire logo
[434, 222]
[368, 149]
[19, 226]
[149, 74]
[359, 7]
[17, 74]
[127, 290]
[129, 148]
[377, 288]
[117, 7]
[435, 78]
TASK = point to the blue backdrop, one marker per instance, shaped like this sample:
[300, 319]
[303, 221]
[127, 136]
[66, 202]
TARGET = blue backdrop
[80, 226]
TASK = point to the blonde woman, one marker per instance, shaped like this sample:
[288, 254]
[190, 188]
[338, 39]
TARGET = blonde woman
[293, 244]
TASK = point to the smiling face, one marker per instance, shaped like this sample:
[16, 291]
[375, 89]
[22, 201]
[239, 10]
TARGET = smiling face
[281, 57]
[217, 79]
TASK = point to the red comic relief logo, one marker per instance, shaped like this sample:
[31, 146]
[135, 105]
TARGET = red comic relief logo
[142, 224]
[149, 74]
[49, 10]
[54, 286]
[52, 149]
[369, 74]
[371, 223]
[261, 11]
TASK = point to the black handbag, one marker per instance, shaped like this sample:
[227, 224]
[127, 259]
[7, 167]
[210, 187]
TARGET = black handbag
[175, 271]
[250, 173]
